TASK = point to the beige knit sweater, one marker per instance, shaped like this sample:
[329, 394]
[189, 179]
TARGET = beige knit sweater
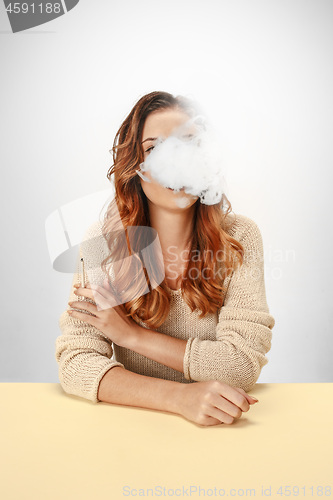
[229, 345]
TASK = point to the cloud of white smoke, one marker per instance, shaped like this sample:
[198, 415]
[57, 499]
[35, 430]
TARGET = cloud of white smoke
[191, 159]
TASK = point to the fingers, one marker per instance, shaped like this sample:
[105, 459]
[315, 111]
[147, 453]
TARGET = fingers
[87, 306]
[250, 399]
[220, 416]
[234, 396]
[88, 292]
[92, 320]
[226, 407]
[103, 298]
[210, 421]
[85, 291]
[103, 292]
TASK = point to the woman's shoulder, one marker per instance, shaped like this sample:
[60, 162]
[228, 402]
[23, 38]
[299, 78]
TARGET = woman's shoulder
[241, 227]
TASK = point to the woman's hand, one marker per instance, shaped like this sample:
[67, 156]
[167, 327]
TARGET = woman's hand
[212, 402]
[108, 318]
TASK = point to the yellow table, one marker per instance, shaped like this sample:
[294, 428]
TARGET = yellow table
[56, 446]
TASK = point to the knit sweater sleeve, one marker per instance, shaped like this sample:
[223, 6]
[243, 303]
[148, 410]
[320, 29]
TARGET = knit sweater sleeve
[243, 332]
[82, 352]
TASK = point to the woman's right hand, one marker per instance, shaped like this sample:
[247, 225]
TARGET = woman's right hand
[212, 402]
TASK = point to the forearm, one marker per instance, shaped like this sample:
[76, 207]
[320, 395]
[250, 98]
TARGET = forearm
[121, 386]
[164, 349]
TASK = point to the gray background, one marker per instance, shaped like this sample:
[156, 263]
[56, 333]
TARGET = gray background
[262, 72]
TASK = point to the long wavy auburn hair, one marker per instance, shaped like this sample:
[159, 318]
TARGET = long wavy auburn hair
[202, 291]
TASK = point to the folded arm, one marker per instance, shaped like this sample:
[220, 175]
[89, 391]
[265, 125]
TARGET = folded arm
[83, 354]
[243, 333]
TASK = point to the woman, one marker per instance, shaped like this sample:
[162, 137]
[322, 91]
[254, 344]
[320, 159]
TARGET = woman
[195, 344]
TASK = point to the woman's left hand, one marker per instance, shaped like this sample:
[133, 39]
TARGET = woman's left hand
[109, 319]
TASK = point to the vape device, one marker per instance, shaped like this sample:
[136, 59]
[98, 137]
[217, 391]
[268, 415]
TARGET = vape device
[83, 284]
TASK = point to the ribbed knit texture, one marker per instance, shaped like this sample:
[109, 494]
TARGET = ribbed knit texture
[229, 345]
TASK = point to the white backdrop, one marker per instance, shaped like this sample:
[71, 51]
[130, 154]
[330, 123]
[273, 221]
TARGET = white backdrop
[262, 71]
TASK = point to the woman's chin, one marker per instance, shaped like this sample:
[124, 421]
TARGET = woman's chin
[183, 200]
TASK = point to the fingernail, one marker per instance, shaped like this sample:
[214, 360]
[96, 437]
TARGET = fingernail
[255, 399]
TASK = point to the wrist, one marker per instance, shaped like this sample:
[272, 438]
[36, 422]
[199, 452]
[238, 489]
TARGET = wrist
[178, 397]
[129, 341]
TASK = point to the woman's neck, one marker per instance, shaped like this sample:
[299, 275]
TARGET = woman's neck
[174, 228]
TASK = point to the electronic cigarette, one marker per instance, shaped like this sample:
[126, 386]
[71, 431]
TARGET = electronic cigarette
[83, 284]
